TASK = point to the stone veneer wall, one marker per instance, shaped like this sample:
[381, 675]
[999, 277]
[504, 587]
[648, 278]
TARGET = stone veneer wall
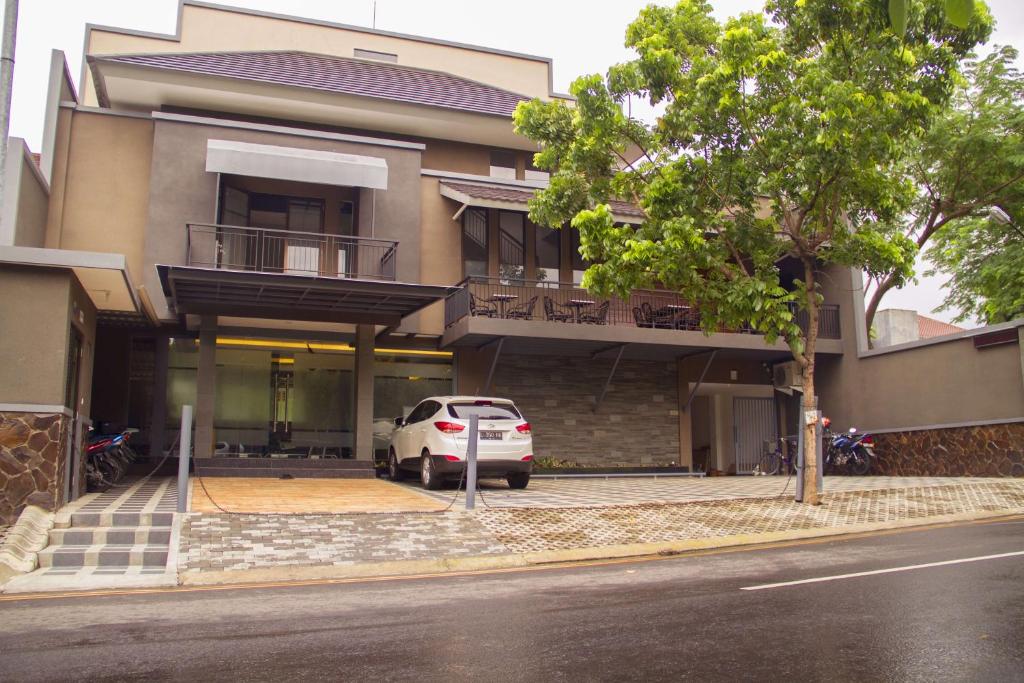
[637, 424]
[31, 471]
[986, 451]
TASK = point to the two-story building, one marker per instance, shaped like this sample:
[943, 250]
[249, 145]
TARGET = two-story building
[302, 229]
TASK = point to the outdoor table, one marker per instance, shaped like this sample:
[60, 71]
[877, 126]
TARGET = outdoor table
[502, 300]
[675, 310]
[577, 306]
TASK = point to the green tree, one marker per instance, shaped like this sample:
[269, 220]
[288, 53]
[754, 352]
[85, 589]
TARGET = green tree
[984, 258]
[776, 138]
[969, 162]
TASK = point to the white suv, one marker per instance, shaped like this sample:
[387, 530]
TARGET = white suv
[434, 438]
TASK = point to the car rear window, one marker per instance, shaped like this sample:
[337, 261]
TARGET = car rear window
[485, 410]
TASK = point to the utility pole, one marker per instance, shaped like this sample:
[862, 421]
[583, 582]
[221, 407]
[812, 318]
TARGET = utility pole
[6, 83]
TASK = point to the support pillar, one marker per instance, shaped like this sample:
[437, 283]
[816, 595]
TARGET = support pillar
[158, 416]
[206, 386]
[363, 390]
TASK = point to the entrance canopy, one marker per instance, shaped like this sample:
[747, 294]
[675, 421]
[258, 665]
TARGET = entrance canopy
[294, 163]
[293, 297]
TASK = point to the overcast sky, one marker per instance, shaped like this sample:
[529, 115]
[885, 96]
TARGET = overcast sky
[582, 36]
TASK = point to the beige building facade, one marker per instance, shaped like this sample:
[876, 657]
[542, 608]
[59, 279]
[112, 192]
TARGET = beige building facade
[302, 229]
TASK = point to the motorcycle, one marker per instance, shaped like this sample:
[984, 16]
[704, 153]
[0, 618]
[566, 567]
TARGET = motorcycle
[107, 458]
[848, 451]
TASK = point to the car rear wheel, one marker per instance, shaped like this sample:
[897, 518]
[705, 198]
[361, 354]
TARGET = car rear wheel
[395, 472]
[429, 476]
[518, 480]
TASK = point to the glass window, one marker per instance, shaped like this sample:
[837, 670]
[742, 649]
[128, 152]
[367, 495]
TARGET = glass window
[503, 164]
[474, 242]
[549, 254]
[305, 215]
[512, 246]
[485, 410]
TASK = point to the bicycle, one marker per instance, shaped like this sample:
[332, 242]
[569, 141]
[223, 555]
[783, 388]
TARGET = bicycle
[779, 460]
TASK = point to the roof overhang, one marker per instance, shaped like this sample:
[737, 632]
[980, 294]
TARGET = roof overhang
[519, 203]
[294, 163]
[203, 291]
[141, 88]
[103, 276]
[547, 337]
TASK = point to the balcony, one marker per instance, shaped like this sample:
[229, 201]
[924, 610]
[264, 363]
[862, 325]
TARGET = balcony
[260, 250]
[499, 299]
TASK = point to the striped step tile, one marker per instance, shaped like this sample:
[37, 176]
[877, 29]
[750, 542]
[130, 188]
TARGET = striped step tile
[141, 535]
[103, 556]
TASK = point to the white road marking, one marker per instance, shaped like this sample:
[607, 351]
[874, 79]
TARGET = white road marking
[891, 570]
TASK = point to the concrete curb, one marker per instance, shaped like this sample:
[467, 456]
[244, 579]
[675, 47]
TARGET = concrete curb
[20, 551]
[519, 560]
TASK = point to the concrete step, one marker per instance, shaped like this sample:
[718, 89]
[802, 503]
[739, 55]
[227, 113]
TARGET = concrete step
[295, 471]
[77, 556]
[84, 536]
[121, 519]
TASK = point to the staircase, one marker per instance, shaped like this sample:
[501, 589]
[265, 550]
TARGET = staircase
[120, 538]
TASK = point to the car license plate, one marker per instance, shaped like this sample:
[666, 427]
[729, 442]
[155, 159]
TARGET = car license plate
[494, 436]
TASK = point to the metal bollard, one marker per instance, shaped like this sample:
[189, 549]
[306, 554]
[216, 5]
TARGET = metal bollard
[184, 452]
[474, 423]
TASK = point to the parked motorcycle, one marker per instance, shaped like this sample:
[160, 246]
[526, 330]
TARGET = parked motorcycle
[107, 458]
[848, 451]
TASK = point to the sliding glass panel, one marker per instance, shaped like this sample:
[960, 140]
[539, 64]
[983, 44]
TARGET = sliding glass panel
[401, 380]
[511, 246]
[549, 254]
[474, 242]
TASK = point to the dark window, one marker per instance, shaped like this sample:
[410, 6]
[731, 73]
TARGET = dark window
[485, 410]
[534, 173]
[503, 164]
[277, 212]
[419, 413]
[474, 242]
[549, 254]
[348, 215]
[511, 245]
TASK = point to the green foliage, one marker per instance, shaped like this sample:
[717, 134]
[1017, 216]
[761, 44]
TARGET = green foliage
[967, 164]
[777, 141]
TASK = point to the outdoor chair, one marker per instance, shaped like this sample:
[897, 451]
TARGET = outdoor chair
[640, 319]
[597, 316]
[523, 311]
[559, 314]
[478, 307]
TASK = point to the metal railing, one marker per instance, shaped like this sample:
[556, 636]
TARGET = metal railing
[514, 299]
[262, 250]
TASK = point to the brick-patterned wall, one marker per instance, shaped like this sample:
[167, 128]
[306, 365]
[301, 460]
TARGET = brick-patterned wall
[638, 421]
[31, 470]
[987, 451]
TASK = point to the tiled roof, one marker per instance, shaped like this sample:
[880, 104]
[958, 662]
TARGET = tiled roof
[929, 327]
[338, 75]
[513, 195]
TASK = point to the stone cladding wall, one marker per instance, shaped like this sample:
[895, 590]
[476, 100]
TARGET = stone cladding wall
[31, 471]
[985, 451]
[636, 424]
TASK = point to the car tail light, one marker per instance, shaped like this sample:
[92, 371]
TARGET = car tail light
[452, 458]
[523, 428]
[449, 427]
[527, 458]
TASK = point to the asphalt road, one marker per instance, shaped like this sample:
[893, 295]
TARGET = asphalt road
[679, 618]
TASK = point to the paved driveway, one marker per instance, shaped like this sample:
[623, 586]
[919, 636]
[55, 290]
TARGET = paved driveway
[592, 492]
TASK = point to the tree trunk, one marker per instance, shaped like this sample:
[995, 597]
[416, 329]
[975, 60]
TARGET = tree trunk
[811, 456]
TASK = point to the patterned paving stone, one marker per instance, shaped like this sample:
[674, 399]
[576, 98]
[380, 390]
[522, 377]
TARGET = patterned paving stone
[235, 542]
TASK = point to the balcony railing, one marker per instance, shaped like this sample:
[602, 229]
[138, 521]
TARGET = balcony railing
[566, 303]
[231, 247]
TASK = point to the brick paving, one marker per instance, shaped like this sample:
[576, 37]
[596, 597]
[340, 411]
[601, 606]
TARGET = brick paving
[236, 542]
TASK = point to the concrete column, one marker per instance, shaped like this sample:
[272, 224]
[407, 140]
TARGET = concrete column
[363, 393]
[158, 417]
[685, 421]
[206, 386]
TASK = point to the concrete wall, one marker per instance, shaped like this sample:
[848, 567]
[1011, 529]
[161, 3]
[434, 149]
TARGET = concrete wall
[33, 205]
[101, 185]
[34, 312]
[895, 326]
[181, 191]
[208, 29]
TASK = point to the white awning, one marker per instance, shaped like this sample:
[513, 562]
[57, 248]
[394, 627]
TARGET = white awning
[294, 163]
